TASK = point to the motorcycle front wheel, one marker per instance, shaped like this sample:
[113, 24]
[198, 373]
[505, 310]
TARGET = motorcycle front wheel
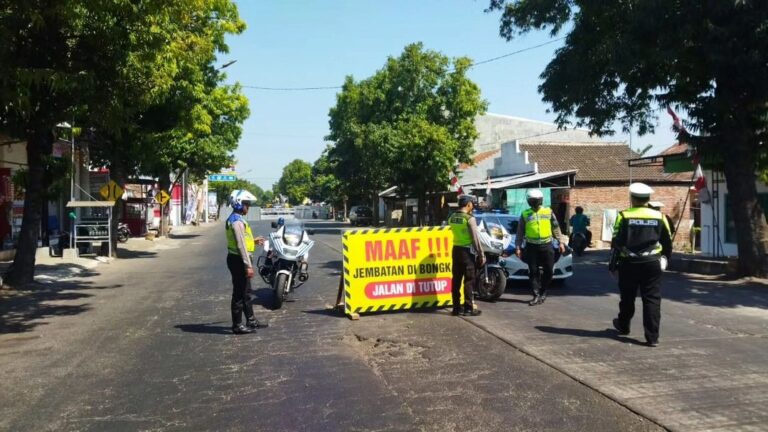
[122, 236]
[279, 287]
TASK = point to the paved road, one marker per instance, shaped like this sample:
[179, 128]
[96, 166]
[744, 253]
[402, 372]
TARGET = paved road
[144, 344]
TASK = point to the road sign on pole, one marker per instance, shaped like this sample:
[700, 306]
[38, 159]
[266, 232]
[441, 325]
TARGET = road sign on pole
[111, 191]
[162, 197]
[222, 177]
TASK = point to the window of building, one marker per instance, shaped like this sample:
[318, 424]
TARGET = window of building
[730, 225]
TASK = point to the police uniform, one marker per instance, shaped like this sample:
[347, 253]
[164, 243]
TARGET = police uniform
[240, 246]
[538, 228]
[641, 236]
[464, 238]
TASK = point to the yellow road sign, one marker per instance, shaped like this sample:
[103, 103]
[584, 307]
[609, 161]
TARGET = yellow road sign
[397, 268]
[111, 191]
[162, 197]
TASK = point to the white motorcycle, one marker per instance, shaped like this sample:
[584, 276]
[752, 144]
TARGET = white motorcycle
[284, 266]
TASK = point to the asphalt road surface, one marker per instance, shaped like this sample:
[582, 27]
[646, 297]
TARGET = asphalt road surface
[144, 343]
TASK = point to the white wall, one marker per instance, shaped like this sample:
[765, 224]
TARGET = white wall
[708, 247]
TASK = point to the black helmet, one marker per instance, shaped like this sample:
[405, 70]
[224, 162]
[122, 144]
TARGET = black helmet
[466, 199]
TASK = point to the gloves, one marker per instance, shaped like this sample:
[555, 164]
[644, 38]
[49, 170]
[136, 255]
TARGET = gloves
[663, 262]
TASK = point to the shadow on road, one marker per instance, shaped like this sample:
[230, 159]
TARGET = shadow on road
[23, 310]
[206, 328]
[131, 254]
[330, 312]
[606, 334]
[182, 236]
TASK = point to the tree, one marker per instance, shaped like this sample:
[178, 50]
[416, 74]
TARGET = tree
[622, 60]
[104, 61]
[296, 181]
[408, 125]
[325, 186]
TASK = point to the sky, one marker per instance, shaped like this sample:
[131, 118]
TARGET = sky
[316, 43]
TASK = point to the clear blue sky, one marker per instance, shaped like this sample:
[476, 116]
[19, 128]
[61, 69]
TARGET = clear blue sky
[293, 43]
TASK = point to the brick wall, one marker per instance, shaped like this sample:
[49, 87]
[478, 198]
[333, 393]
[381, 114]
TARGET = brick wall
[596, 199]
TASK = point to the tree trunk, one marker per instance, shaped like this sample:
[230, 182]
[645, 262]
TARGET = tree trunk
[748, 215]
[165, 183]
[117, 174]
[22, 271]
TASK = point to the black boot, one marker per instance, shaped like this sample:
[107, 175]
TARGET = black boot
[542, 297]
[241, 329]
[535, 301]
[623, 331]
[254, 324]
[469, 310]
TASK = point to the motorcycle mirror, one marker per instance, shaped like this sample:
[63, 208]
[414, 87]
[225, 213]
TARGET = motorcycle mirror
[274, 224]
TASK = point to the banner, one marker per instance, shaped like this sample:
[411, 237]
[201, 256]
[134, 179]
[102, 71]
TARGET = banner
[396, 269]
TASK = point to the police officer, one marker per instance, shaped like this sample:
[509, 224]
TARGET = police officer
[538, 226]
[642, 245]
[240, 246]
[465, 240]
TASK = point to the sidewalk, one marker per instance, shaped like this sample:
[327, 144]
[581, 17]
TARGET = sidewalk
[709, 373]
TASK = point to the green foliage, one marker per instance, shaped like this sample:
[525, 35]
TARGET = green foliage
[325, 186]
[296, 181]
[57, 174]
[623, 60]
[407, 125]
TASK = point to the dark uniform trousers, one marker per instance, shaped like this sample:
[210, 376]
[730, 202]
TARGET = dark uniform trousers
[539, 256]
[241, 290]
[644, 277]
[463, 268]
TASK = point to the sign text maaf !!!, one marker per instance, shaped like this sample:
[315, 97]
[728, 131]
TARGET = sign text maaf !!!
[403, 249]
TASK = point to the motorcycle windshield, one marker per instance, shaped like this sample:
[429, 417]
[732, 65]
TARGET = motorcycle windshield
[292, 234]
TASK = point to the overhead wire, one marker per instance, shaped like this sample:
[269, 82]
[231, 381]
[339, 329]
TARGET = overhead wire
[482, 62]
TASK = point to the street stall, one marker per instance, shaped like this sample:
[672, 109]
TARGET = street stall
[96, 228]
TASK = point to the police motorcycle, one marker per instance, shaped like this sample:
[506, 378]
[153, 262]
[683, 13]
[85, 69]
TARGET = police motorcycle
[492, 277]
[284, 267]
[578, 242]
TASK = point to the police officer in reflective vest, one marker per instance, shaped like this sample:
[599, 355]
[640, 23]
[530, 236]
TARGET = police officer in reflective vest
[240, 246]
[467, 252]
[641, 247]
[538, 227]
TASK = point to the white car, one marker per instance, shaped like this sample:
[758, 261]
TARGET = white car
[504, 227]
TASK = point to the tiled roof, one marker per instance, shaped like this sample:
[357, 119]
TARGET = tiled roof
[479, 157]
[604, 162]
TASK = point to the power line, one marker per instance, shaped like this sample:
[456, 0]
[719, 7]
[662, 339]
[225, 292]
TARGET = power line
[482, 62]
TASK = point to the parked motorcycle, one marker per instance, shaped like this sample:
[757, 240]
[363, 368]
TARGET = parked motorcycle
[285, 266]
[123, 232]
[492, 277]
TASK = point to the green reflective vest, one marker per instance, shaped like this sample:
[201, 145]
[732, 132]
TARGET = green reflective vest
[538, 225]
[250, 244]
[637, 232]
[459, 223]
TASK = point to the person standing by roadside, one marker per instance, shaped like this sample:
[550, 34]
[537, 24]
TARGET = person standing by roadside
[538, 227]
[641, 245]
[465, 239]
[240, 246]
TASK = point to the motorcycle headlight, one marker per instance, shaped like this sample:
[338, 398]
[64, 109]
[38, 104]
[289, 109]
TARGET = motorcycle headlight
[292, 239]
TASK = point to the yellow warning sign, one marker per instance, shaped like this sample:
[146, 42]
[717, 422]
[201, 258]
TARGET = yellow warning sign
[162, 197]
[397, 268]
[111, 191]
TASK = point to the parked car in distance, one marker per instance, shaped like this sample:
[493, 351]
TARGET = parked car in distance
[360, 215]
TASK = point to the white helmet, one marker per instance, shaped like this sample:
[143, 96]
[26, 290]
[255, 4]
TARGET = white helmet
[240, 197]
[640, 190]
[534, 197]
[534, 194]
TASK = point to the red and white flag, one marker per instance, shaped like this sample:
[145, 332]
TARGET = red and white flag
[677, 125]
[700, 182]
[455, 185]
